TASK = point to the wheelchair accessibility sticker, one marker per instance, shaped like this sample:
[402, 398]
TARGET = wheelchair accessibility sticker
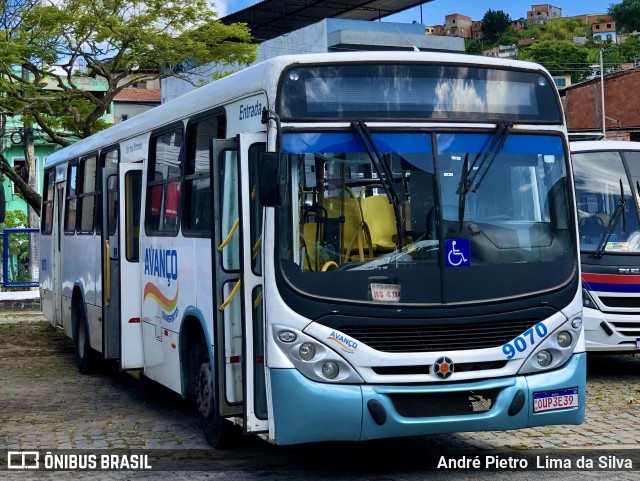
[458, 252]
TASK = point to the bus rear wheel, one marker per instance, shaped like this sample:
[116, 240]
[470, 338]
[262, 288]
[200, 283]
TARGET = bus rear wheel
[218, 432]
[85, 356]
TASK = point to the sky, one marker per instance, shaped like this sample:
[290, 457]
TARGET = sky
[433, 13]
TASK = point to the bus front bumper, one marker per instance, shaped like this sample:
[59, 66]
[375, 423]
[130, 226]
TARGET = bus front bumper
[308, 411]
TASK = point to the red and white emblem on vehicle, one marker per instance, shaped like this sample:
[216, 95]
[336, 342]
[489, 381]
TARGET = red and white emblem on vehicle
[443, 367]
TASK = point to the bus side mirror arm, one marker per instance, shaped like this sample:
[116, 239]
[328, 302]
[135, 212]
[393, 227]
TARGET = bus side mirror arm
[274, 168]
[273, 179]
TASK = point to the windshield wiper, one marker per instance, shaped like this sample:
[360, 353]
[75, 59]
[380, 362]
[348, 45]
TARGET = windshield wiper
[467, 181]
[462, 191]
[496, 145]
[613, 221]
[383, 171]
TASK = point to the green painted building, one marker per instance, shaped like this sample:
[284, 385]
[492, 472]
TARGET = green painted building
[13, 146]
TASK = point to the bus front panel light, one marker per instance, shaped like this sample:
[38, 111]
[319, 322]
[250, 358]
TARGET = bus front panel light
[330, 369]
[544, 358]
[287, 336]
[576, 323]
[587, 300]
[564, 339]
[307, 351]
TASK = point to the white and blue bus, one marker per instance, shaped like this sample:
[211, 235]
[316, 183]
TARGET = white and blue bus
[607, 181]
[327, 247]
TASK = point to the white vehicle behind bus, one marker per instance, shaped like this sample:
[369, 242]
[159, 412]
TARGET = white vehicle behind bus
[607, 176]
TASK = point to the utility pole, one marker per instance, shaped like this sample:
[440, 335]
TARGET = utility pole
[604, 117]
[32, 217]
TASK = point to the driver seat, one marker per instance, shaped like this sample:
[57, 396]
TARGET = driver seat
[591, 226]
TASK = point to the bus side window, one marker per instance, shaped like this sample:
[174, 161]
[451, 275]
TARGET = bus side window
[47, 202]
[88, 195]
[163, 192]
[229, 201]
[72, 199]
[197, 184]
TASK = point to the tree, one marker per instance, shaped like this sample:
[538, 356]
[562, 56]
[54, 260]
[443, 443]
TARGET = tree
[509, 36]
[494, 23]
[626, 14]
[124, 42]
[560, 58]
[473, 47]
[629, 49]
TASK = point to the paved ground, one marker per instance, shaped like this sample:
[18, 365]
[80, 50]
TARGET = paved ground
[46, 404]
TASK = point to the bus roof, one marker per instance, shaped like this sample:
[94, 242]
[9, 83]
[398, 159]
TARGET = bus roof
[259, 77]
[603, 145]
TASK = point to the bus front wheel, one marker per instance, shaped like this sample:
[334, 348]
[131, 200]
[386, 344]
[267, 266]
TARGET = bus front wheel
[85, 356]
[218, 432]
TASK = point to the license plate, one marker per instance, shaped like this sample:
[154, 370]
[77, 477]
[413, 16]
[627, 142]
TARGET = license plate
[385, 292]
[553, 400]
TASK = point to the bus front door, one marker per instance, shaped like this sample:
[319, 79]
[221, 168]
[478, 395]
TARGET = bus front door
[121, 201]
[250, 147]
[237, 271]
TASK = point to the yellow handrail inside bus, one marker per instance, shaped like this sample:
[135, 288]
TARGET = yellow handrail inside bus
[256, 248]
[234, 291]
[258, 300]
[224, 243]
[108, 269]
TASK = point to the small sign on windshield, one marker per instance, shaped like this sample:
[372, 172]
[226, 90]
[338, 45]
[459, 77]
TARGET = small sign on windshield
[458, 252]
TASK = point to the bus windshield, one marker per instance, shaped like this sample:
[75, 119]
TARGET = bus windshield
[598, 178]
[429, 220]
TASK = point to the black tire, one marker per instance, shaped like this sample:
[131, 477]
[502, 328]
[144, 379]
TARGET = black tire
[218, 432]
[86, 358]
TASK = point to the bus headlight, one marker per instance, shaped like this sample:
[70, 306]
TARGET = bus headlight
[307, 351]
[555, 350]
[564, 339]
[314, 359]
[330, 369]
[544, 358]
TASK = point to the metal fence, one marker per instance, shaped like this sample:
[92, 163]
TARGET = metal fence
[20, 257]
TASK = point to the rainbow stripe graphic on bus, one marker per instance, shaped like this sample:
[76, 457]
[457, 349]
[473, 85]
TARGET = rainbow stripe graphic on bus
[170, 311]
[611, 282]
[346, 344]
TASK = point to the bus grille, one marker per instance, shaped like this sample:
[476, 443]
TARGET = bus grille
[627, 328]
[456, 337]
[444, 404]
[631, 302]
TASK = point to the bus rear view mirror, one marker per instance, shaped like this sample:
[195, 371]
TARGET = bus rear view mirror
[274, 178]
